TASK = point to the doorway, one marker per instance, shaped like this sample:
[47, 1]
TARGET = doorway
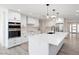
[74, 30]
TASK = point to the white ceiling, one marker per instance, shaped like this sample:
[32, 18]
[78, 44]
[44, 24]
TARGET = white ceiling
[39, 10]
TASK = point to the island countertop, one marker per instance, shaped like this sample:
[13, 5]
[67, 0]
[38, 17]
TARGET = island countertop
[57, 38]
[38, 44]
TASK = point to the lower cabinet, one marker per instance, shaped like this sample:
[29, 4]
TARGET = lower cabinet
[19, 40]
[15, 41]
[54, 49]
[24, 34]
[11, 43]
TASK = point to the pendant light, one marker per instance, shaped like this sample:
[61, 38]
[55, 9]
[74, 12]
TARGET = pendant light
[47, 11]
[54, 13]
[57, 16]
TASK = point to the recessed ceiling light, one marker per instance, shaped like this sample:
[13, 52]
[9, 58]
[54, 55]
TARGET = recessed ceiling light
[18, 9]
[77, 10]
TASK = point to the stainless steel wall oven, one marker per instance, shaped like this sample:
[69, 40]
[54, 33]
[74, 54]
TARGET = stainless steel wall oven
[14, 29]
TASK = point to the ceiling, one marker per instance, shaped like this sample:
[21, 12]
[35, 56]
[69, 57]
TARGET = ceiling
[39, 10]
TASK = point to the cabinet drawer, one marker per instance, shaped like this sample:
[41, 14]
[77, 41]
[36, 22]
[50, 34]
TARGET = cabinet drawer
[23, 34]
[13, 42]
[18, 40]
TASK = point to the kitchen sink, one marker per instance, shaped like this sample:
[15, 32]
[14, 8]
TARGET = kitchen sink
[51, 33]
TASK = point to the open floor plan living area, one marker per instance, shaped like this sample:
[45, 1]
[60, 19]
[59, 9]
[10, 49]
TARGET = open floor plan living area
[39, 29]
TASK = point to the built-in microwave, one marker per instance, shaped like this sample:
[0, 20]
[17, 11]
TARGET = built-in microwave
[14, 29]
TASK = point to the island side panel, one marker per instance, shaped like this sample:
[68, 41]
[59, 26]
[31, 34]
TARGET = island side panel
[38, 45]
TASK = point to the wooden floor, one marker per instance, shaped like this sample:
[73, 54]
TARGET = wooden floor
[18, 50]
[71, 45]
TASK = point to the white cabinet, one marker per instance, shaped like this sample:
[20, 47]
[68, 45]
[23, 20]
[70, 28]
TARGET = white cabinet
[19, 40]
[14, 16]
[33, 21]
[23, 28]
[11, 16]
[36, 23]
[14, 41]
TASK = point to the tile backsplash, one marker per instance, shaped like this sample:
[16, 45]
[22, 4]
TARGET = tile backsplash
[32, 30]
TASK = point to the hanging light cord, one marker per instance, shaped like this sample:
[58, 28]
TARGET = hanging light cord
[53, 11]
[57, 14]
[47, 9]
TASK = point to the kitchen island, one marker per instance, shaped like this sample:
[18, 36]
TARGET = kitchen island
[46, 44]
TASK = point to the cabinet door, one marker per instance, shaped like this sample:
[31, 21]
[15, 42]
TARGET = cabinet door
[12, 42]
[15, 41]
[23, 28]
[31, 20]
[36, 23]
[14, 16]
[23, 22]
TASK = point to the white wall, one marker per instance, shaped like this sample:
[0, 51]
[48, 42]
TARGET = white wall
[3, 26]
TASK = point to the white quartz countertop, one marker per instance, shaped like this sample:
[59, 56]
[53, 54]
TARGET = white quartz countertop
[57, 38]
[51, 38]
[39, 44]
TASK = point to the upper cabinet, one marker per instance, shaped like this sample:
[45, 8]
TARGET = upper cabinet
[60, 20]
[34, 22]
[31, 20]
[14, 16]
[23, 21]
